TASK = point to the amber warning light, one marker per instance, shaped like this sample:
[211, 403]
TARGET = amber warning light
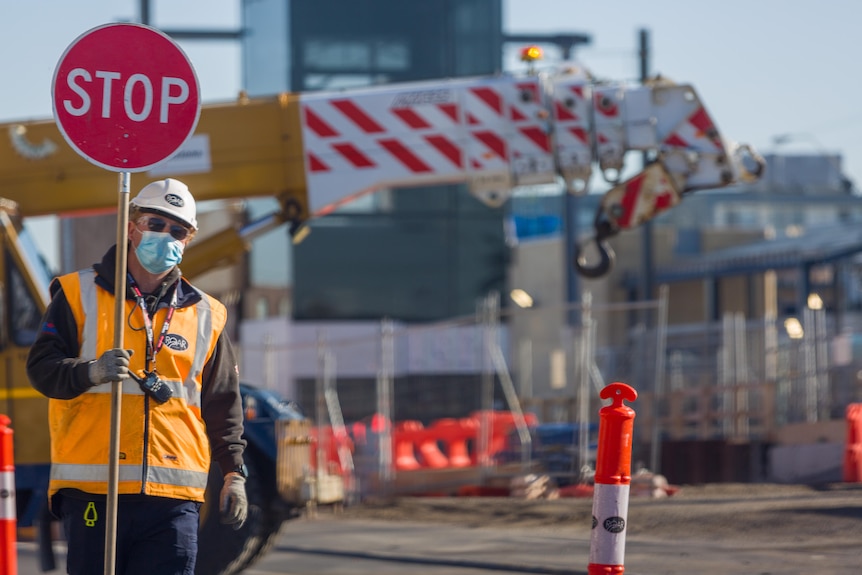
[531, 54]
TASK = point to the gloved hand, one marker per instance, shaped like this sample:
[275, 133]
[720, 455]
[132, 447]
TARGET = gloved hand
[234, 503]
[113, 365]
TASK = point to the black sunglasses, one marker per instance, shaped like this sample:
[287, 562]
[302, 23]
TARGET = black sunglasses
[157, 224]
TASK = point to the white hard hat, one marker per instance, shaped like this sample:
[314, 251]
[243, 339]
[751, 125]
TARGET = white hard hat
[169, 197]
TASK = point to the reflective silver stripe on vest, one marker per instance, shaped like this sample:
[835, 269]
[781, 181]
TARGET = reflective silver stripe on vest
[202, 346]
[163, 475]
[87, 281]
[72, 472]
[178, 477]
[131, 387]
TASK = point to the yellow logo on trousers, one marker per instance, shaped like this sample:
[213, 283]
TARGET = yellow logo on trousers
[90, 515]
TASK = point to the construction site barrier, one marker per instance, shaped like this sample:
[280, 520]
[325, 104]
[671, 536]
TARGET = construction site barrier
[444, 443]
[612, 481]
[402, 445]
[502, 425]
[457, 436]
[333, 441]
[853, 449]
[412, 439]
[8, 520]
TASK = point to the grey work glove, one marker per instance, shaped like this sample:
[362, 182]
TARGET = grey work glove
[113, 365]
[233, 501]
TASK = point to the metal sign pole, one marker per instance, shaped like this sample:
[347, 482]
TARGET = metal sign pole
[117, 386]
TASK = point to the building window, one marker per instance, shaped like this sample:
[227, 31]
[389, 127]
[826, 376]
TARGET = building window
[336, 55]
[356, 55]
[392, 55]
[342, 81]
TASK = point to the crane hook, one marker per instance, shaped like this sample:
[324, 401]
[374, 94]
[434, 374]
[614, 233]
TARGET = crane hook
[606, 259]
[604, 229]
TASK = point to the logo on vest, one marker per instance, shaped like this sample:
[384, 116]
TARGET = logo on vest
[176, 342]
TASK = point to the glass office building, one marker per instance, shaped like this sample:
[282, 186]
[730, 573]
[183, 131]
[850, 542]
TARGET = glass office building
[418, 254]
[303, 45]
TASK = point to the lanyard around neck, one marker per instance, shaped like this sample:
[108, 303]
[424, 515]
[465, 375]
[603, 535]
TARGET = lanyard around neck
[153, 347]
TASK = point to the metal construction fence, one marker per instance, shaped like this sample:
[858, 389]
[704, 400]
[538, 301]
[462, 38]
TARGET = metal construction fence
[736, 379]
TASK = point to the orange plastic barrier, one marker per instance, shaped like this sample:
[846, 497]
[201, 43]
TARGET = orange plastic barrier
[378, 423]
[502, 426]
[359, 433]
[430, 452]
[412, 438]
[416, 446]
[612, 481]
[456, 436]
[445, 443]
[853, 464]
[853, 450]
[8, 519]
[332, 443]
[405, 457]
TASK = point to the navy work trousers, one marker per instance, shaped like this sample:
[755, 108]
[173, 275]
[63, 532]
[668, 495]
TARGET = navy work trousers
[155, 535]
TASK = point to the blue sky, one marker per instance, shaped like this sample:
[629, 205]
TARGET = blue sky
[762, 67]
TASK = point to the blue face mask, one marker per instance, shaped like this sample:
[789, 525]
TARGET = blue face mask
[159, 252]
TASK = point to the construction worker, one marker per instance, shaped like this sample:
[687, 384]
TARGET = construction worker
[181, 405]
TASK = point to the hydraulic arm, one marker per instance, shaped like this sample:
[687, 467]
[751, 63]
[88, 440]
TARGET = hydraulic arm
[316, 151]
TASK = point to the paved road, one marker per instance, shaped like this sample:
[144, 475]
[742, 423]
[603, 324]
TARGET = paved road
[335, 546]
[28, 559]
[358, 546]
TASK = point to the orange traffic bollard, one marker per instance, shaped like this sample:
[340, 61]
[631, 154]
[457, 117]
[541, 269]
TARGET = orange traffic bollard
[8, 523]
[853, 450]
[612, 481]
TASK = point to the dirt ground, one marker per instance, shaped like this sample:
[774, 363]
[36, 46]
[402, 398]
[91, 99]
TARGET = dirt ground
[749, 512]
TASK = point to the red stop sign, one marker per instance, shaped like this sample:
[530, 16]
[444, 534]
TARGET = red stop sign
[125, 96]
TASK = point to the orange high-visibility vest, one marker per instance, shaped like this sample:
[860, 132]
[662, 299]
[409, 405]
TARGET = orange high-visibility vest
[164, 450]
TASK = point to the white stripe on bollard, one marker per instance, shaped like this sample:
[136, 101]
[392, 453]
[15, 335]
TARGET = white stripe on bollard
[7, 495]
[608, 535]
